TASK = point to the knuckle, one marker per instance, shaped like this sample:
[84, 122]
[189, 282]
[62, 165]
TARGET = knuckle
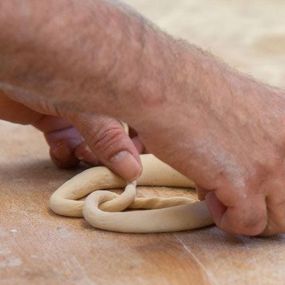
[107, 141]
[250, 225]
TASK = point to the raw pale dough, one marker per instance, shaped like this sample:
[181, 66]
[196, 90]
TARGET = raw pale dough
[104, 209]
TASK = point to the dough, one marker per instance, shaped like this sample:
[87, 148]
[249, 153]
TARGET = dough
[106, 210]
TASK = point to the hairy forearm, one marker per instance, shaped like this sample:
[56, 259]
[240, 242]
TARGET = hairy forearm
[100, 55]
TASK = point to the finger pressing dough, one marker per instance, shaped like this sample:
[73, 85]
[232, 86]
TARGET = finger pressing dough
[107, 210]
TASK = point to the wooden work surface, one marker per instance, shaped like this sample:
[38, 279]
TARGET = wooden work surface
[38, 247]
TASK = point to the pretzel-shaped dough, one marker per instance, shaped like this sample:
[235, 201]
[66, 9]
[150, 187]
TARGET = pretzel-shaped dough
[103, 209]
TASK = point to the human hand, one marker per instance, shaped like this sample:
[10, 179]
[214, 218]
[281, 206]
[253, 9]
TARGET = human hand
[67, 146]
[220, 128]
[230, 139]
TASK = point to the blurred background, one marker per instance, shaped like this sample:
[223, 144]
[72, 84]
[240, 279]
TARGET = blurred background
[248, 34]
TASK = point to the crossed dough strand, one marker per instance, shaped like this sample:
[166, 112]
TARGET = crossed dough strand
[106, 210]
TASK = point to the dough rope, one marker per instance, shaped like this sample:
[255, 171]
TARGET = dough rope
[106, 210]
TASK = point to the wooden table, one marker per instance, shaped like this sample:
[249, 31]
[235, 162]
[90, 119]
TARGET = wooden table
[38, 247]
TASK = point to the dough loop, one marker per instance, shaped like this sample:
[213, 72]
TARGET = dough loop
[107, 210]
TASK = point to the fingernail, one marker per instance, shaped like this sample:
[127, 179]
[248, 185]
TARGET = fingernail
[125, 165]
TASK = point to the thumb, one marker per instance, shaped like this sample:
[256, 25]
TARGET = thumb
[109, 142]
